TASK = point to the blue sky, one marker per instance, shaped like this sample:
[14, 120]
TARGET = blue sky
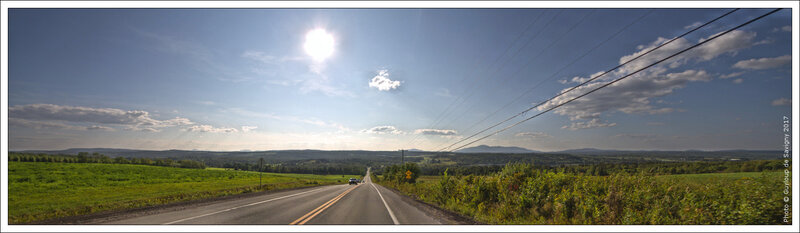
[237, 79]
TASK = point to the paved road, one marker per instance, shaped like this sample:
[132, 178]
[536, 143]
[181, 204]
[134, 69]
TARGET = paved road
[366, 203]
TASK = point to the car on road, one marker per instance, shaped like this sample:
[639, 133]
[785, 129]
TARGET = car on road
[354, 181]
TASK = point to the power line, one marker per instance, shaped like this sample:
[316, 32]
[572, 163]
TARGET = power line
[473, 85]
[530, 61]
[591, 79]
[623, 77]
[551, 77]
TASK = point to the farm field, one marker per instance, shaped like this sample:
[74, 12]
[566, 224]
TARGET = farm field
[42, 190]
[520, 195]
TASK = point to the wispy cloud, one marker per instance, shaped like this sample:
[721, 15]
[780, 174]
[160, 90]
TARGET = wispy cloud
[248, 128]
[694, 25]
[444, 92]
[782, 102]
[387, 129]
[787, 28]
[441, 132]
[99, 127]
[41, 124]
[642, 137]
[763, 63]
[382, 82]
[594, 123]
[310, 121]
[210, 103]
[51, 116]
[635, 94]
[731, 75]
[210, 129]
[269, 59]
[134, 119]
[533, 135]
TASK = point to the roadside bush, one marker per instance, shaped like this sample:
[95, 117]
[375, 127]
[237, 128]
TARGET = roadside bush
[519, 194]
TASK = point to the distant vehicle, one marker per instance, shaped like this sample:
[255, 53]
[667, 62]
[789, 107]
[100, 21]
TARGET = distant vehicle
[354, 181]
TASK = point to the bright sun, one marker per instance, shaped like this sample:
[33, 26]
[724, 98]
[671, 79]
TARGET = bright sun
[319, 44]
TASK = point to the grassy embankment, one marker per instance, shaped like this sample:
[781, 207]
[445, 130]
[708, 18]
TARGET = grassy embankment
[40, 191]
[518, 195]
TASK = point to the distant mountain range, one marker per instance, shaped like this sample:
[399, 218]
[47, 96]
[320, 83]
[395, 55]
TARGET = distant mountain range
[496, 149]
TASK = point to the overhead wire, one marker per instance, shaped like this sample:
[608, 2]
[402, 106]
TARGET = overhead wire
[554, 74]
[621, 78]
[474, 83]
[589, 80]
[530, 61]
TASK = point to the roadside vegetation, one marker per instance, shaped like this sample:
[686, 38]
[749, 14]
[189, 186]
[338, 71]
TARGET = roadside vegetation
[526, 194]
[46, 190]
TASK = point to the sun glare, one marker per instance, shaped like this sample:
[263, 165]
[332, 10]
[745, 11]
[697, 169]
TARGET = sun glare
[319, 44]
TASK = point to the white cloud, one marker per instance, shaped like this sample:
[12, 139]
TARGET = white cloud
[311, 121]
[763, 63]
[135, 120]
[435, 132]
[248, 128]
[41, 124]
[594, 123]
[727, 44]
[643, 137]
[731, 75]
[635, 94]
[444, 92]
[738, 81]
[787, 28]
[781, 102]
[382, 81]
[387, 129]
[764, 41]
[99, 127]
[694, 25]
[210, 129]
[534, 135]
[268, 59]
[632, 95]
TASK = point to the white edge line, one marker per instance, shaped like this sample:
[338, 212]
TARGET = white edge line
[394, 219]
[229, 209]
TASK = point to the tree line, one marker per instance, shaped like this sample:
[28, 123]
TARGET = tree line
[649, 168]
[317, 168]
[86, 157]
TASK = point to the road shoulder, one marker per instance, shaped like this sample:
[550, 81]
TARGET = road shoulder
[444, 216]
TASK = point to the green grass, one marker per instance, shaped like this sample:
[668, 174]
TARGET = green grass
[516, 197]
[696, 179]
[40, 191]
[704, 178]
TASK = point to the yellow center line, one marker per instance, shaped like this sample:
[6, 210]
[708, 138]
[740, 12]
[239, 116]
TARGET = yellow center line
[321, 208]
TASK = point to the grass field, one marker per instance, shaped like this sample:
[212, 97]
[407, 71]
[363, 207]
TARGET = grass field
[39, 191]
[682, 178]
[517, 197]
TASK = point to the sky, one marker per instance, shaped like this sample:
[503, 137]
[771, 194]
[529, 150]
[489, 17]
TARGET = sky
[390, 79]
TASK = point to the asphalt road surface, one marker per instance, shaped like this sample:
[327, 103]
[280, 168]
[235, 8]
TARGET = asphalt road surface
[366, 203]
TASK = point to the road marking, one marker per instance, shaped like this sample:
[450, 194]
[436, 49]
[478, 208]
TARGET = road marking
[394, 219]
[321, 208]
[254, 203]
